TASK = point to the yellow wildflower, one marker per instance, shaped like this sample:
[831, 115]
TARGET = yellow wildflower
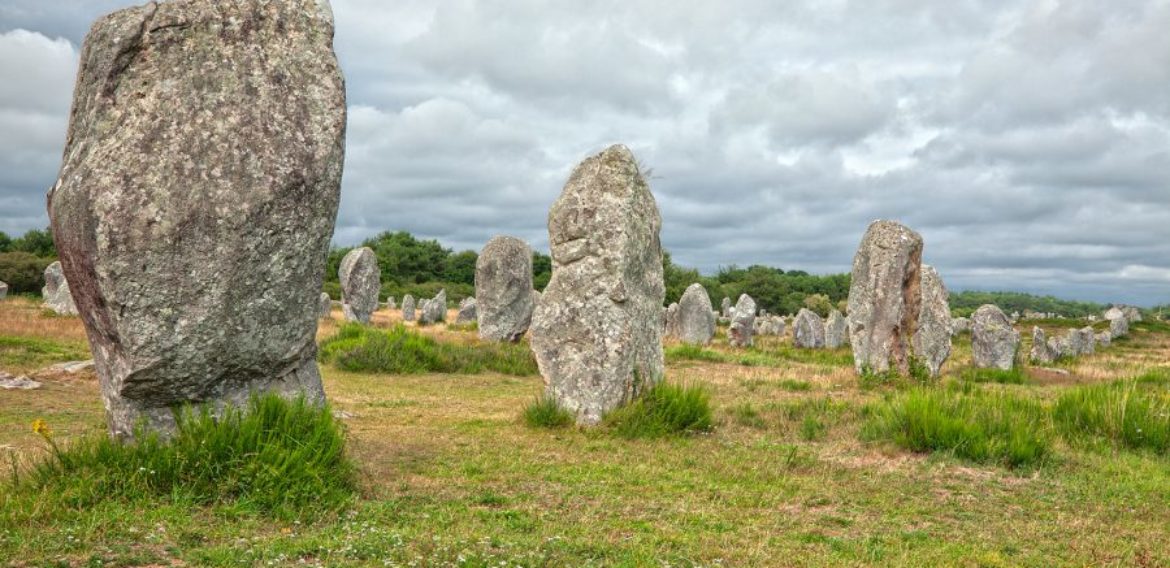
[41, 427]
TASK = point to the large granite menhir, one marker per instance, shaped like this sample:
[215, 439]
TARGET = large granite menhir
[884, 297]
[696, 319]
[503, 289]
[597, 329]
[361, 282]
[196, 200]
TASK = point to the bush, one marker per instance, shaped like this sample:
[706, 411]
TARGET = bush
[970, 424]
[285, 458]
[1134, 414]
[1015, 376]
[663, 410]
[23, 272]
[546, 412]
[401, 351]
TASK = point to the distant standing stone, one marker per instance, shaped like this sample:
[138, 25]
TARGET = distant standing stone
[503, 289]
[932, 340]
[696, 318]
[325, 304]
[808, 330]
[3, 290]
[993, 340]
[725, 307]
[1042, 353]
[743, 321]
[836, 330]
[1131, 313]
[960, 325]
[597, 329]
[361, 281]
[885, 297]
[56, 292]
[434, 310]
[467, 311]
[390, 305]
[1118, 323]
[670, 322]
[1104, 339]
[408, 308]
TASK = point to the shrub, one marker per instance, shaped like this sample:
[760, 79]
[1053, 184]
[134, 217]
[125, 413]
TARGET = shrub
[285, 458]
[399, 350]
[546, 412]
[663, 410]
[23, 272]
[970, 424]
[1133, 414]
[1015, 376]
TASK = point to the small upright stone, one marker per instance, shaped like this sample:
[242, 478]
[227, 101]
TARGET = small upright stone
[725, 307]
[503, 289]
[885, 297]
[808, 330]
[743, 322]
[960, 325]
[696, 320]
[932, 339]
[597, 329]
[1042, 353]
[467, 311]
[408, 308]
[3, 290]
[434, 310]
[56, 292]
[670, 327]
[836, 330]
[325, 306]
[390, 305]
[1118, 323]
[360, 284]
[1104, 339]
[993, 340]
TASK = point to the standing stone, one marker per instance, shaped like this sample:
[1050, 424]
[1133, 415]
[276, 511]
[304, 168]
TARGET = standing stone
[503, 289]
[836, 328]
[434, 310]
[3, 290]
[390, 305]
[196, 200]
[932, 339]
[408, 308]
[467, 311]
[325, 306]
[725, 307]
[361, 282]
[1118, 323]
[1131, 313]
[960, 325]
[993, 340]
[670, 327]
[743, 320]
[696, 323]
[884, 297]
[56, 292]
[808, 330]
[1104, 339]
[1042, 353]
[1081, 341]
[597, 332]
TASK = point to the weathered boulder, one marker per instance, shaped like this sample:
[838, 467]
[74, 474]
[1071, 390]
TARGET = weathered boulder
[808, 330]
[468, 309]
[836, 330]
[884, 297]
[503, 289]
[696, 320]
[932, 339]
[408, 310]
[993, 340]
[1081, 341]
[325, 306]
[1042, 353]
[196, 201]
[56, 292]
[434, 310]
[743, 321]
[597, 331]
[361, 281]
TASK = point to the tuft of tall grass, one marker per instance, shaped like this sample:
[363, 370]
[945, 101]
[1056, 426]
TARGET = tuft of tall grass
[972, 424]
[275, 456]
[1134, 414]
[663, 410]
[1015, 376]
[398, 350]
[546, 412]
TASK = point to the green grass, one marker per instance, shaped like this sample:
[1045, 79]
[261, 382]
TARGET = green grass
[776, 356]
[277, 457]
[32, 352]
[546, 412]
[972, 424]
[1134, 414]
[663, 410]
[1015, 376]
[398, 350]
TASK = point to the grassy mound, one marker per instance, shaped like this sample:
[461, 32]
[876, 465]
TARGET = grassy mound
[401, 351]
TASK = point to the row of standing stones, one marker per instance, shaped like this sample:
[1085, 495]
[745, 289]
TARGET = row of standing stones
[196, 261]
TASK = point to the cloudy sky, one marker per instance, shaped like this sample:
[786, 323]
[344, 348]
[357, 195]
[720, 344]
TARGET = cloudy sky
[1028, 142]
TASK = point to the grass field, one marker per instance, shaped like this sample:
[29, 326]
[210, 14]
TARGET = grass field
[802, 467]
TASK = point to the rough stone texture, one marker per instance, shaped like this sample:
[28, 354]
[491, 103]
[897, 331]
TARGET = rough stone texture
[434, 310]
[884, 297]
[1118, 323]
[725, 307]
[467, 311]
[808, 330]
[503, 289]
[743, 320]
[1042, 353]
[1113, 313]
[670, 322]
[1131, 313]
[960, 325]
[196, 201]
[1104, 339]
[56, 292]
[361, 281]
[1059, 347]
[408, 308]
[3, 290]
[932, 339]
[1081, 341]
[836, 329]
[993, 340]
[597, 331]
[10, 382]
[325, 306]
[696, 319]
